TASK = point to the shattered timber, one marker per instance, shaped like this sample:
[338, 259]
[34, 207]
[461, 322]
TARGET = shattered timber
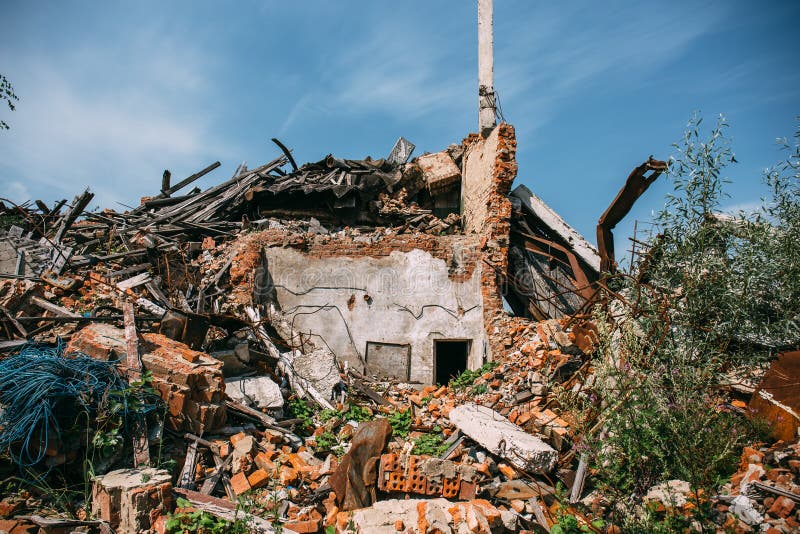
[347, 346]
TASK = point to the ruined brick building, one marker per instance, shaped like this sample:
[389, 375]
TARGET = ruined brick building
[418, 298]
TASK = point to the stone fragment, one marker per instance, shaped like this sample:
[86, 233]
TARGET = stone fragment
[257, 391]
[131, 499]
[503, 438]
[744, 508]
[319, 369]
[671, 493]
[381, 517]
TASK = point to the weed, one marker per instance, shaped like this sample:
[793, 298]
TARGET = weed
[401, 422]
[467, 377]
[479, 389]
[430, 444]
[357, 414]
[302, 410]
[202, 522]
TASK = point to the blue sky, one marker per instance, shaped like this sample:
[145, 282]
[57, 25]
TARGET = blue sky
[111, 93]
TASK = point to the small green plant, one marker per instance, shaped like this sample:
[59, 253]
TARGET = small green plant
[568, 523]
[202, 522]
[430, 444]
[357, 414]
[479, 389]
[401, 422]
[327, 441]
[302, 410]
[467, 377]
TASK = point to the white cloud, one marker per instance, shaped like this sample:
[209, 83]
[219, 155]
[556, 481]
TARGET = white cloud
[109, 118]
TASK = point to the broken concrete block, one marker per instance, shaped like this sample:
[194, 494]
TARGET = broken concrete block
[232, 364]
[744, 508]
[319, 369]
[503, 438]
[439, 170]
[672, 493]
[382, 516]
[420, 516]
[257, 391]
[132, 499]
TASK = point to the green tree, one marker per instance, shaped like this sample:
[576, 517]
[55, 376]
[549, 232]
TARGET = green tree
[7, 94]
[714, 294]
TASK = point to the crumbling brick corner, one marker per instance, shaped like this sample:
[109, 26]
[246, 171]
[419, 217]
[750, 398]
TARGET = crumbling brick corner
[490, 169]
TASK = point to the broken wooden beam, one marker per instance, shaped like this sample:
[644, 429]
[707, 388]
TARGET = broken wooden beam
[78, 205]
[186, 478]
[186, 181]
[141, 446]
[52, 308]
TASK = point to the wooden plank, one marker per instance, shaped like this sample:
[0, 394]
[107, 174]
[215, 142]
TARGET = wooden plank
[134, 281]
[14, 321]
[165, 178]
[776, 491]
[580, 479]
[141, 446]
[186, 181]
[52, 308]
[539, 513]
[130, 270]
[79, 204]
[453, 446]
[186, 478]
[212, 481]
[369, 392]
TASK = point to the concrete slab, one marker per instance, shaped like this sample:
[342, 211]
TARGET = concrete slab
[503, 438]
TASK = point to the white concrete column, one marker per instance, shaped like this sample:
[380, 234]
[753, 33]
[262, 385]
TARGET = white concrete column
[487, 114]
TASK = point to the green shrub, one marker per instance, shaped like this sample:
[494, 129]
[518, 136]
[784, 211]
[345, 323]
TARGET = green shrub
[712, 294]
[301, 409]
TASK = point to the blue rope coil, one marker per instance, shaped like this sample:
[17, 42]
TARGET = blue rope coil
[42, 392]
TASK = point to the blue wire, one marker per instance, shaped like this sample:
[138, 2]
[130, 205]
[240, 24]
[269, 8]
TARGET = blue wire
[41, 390]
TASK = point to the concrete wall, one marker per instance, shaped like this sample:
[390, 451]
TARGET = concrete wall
[325, 296]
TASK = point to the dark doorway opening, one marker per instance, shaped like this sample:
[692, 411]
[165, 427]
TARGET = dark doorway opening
[451, 358]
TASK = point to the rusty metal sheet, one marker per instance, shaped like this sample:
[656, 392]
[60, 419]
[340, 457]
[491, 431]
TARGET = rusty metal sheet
[777, 398]
[354, 480]
[635, 186]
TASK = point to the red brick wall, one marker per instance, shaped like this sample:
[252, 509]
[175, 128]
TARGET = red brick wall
[495, 239]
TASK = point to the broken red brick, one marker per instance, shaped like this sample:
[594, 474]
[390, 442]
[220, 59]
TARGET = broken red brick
[258, 478]
[239, 483]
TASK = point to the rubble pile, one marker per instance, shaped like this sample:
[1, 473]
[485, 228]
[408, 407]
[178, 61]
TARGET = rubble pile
[265, 422]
